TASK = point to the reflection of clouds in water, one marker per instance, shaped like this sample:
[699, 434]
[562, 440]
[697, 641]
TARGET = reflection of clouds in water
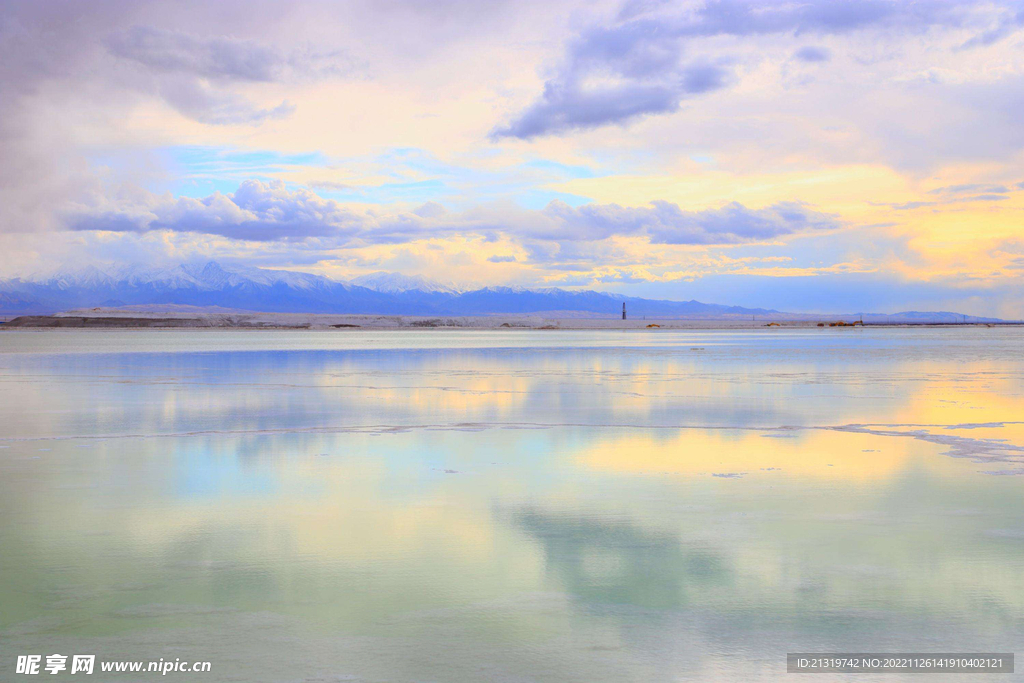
[631, 579]
[228, 391]
[686, 600]
[299, 504]
[783, 391]
[616, 562]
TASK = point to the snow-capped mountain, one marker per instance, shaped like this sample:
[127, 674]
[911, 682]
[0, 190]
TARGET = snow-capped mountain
[257, 289]
[208, 275]
[69, 277]
[393, 283]
[196, 284]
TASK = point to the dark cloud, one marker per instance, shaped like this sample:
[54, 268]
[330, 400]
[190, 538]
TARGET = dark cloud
[566, 107]
[666, 223]
[208, 57]
[502, 259]
[813, 53]
[191, 72]
[822, 17]
[641, 52]
[220, 57]
[272, 212]
[256, 211]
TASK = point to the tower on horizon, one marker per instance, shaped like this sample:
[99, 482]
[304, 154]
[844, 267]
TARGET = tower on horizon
[623, 310]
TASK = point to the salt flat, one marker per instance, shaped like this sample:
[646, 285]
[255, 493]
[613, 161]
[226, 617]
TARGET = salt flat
[458, 504]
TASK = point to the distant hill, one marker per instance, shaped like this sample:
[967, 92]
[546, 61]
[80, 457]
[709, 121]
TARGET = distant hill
[16, 303]
[255, 289]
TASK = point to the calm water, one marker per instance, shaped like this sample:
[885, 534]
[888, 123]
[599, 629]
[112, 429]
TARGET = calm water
[509, 506]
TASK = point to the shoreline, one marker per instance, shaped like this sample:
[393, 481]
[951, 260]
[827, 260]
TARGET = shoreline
[121, 319]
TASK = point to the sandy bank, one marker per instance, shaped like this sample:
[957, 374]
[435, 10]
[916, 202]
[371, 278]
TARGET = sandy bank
[176, 317]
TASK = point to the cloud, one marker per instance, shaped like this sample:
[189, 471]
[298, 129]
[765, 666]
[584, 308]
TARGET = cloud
[634, 65]
[72, 74]
[955, 194]
[430, 210]
[908, 206]
[666, 223]
[191, 73]
[567, 106]
[970, 188]
[220, 57]
[198, 101]
[269, 211]
[502, 259]
[37, 166]
[986, 198]
[209, 57]
[256, 211]
[813, 53]
[1009, 23]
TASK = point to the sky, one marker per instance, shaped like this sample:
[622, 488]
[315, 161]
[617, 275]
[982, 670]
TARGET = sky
[814, 155]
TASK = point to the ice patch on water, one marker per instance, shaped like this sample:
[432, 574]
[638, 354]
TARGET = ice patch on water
[978, 450]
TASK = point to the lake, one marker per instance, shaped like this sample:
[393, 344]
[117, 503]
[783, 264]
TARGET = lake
[446, 505]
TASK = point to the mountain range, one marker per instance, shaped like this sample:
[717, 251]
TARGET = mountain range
[257, 289]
